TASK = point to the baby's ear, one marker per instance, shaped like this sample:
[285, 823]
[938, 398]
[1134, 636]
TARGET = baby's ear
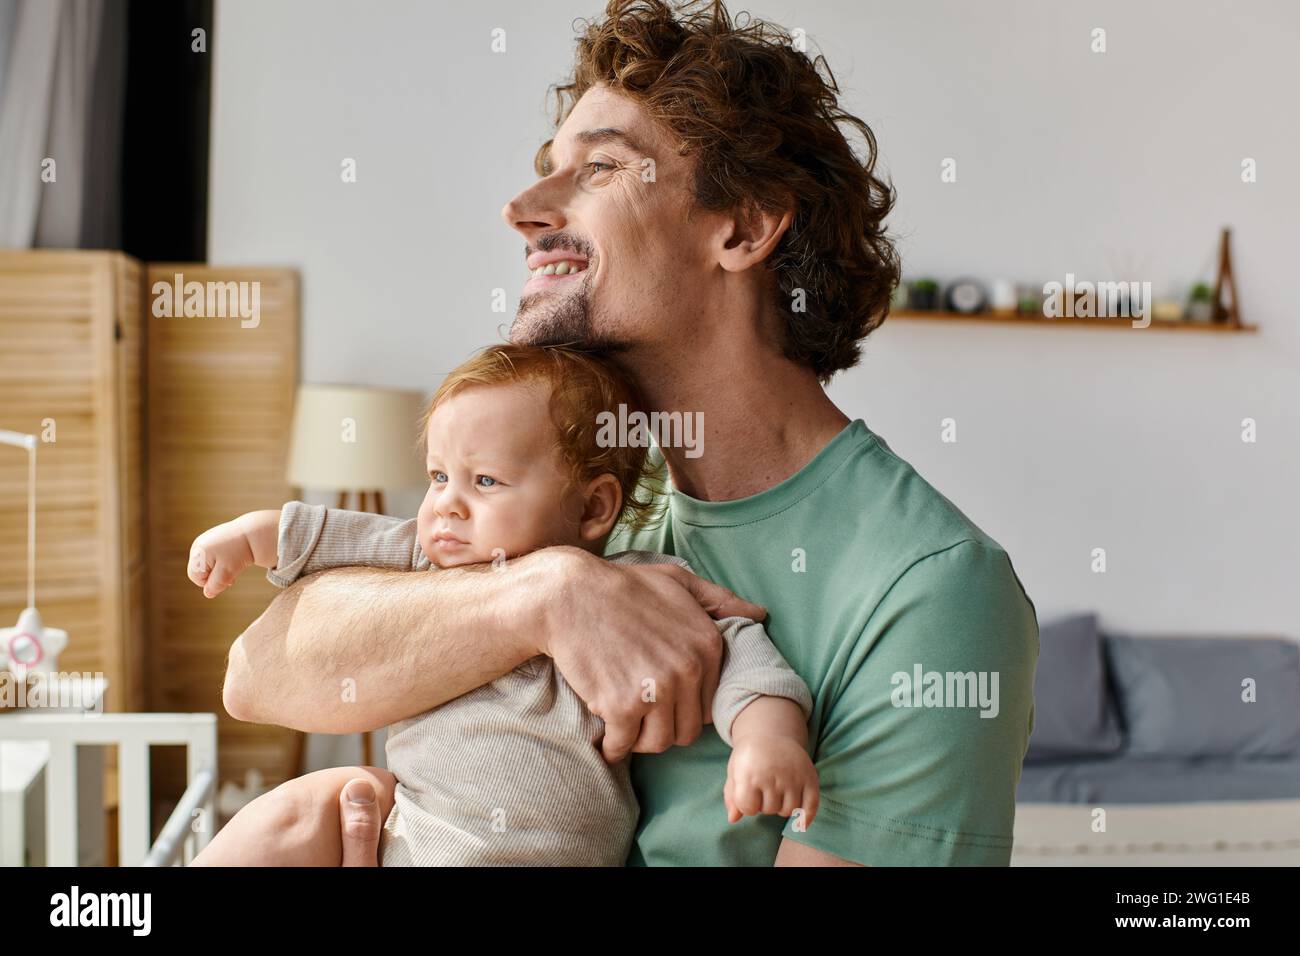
[602, 500]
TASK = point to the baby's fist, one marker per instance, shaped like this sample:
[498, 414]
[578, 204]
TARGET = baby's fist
[217, 557]
[770, 774]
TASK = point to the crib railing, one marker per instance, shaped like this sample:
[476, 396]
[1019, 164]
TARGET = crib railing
[191, 824]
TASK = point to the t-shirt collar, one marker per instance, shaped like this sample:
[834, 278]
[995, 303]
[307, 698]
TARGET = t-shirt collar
[765, 504]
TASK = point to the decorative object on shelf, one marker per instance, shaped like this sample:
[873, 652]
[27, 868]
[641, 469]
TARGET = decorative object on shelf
[966, 296]
[1199, 306]
[29, 646]
[1219, 313]
[1029, 300]
[1166, 310]
[1003, 300]
[924, 295]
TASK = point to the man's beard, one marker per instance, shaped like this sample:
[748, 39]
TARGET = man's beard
[544, 319]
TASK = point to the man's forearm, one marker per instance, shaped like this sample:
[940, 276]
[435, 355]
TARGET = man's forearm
[354, 649]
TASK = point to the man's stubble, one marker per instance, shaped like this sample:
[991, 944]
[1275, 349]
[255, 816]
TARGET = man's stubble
[547, 319]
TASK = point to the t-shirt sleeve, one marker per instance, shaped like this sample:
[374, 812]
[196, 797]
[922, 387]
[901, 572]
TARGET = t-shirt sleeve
[313, 538]
[920, 748]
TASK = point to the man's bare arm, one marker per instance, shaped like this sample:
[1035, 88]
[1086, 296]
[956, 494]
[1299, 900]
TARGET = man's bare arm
[794, 853]
[354, 649]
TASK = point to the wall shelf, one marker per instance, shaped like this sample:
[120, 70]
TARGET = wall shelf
[1095, 323]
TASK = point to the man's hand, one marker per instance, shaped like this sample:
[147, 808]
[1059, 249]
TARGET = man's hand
[359, 823]
[638, 644]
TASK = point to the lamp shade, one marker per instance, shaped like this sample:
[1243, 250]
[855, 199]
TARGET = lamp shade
[348, 438]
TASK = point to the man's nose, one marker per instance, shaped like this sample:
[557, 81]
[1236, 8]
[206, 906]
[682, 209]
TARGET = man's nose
[536, 211]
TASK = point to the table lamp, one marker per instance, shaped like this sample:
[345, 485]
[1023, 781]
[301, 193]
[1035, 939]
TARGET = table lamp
[353, 439]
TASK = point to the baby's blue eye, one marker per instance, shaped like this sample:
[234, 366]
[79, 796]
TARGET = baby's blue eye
[488, 480]
[439, 476]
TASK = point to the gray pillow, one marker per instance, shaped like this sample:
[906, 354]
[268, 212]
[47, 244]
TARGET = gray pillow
[1074, 715]
[1182, 696]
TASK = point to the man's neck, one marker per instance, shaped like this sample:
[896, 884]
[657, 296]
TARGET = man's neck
[762, 424]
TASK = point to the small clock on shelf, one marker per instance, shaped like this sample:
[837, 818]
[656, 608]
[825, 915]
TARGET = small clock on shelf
[966, 296]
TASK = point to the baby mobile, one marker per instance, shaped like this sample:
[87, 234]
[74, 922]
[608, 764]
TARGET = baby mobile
[29, 646]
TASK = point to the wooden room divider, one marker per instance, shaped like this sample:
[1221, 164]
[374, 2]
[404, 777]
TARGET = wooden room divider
[220, 405]
[71, 363]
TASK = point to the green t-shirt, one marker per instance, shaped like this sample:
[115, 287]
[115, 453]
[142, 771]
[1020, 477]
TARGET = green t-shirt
[907, 622]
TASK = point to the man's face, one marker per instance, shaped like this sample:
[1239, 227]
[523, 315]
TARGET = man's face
[613, 205]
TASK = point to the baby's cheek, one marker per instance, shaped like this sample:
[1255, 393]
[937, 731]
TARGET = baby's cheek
[513, 533]
[496, 536]
[424, 534]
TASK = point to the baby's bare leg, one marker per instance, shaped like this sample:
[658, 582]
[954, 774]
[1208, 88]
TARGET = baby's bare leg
[296, 824]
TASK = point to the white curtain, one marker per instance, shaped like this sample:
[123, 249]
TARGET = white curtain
[56, 53]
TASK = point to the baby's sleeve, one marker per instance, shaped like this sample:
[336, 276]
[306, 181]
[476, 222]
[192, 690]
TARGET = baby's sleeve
[313, 538]
[752, 667]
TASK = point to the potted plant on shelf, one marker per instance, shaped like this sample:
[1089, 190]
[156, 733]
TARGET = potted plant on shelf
[924, 295]
[1200, 308]
[1029, 300]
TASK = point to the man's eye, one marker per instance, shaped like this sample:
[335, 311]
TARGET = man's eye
[592, 165]
[488, 481]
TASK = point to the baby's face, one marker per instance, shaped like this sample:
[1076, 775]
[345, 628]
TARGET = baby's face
[496, 485]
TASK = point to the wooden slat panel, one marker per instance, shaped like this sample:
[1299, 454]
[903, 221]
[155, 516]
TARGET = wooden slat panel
[62, 358]
[130, 356]
[220, 402]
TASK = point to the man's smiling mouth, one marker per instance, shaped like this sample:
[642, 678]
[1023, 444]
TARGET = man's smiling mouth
[555, 272]
[561, 268]
[554, 265]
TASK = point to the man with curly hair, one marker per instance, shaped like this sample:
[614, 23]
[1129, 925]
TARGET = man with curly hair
[701, 217]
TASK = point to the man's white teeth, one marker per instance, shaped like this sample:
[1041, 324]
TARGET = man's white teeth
[559, 268]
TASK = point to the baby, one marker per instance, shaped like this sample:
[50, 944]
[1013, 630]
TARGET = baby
[511, 773]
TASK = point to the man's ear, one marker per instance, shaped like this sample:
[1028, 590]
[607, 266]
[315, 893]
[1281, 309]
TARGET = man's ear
[749, 235]
[602, 501]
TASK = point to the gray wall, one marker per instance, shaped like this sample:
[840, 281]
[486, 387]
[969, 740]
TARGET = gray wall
[1104, 165]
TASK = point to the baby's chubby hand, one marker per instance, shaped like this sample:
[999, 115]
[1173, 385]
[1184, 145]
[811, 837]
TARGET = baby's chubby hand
[770, 774]
[218, 556]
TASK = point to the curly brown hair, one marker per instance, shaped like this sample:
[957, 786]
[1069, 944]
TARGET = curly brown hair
[764, 125]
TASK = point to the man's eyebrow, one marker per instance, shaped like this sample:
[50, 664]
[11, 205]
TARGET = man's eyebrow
[590, 137]
[605, 134]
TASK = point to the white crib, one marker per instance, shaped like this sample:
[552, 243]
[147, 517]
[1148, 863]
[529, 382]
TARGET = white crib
[191, 824]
